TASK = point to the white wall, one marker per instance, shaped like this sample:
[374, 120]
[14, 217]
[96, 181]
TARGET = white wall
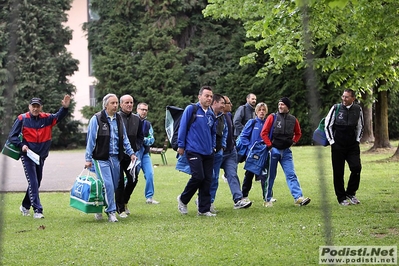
[77, 15]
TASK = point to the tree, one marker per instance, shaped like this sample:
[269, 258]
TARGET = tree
[35, 62]
[162, 53]
[360, 40]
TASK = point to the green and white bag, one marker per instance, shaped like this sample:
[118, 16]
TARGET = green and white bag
[87, 193]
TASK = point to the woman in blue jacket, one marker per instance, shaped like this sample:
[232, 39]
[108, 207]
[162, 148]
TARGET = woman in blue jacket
[249, 135]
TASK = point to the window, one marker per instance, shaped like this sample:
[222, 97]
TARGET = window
[92, 95]
[91, 16]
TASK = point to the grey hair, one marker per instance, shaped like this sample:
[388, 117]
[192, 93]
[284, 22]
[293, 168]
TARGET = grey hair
[106, 98]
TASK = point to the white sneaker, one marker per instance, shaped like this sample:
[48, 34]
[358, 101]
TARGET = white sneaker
[273, 200]
[24, 211]
[268, 203]
[112, 217]
[123, 215]
[208, 214]
[212, 209]
[181, 206]
[127, 211]
[151, 201]
[302, 201]
[245, 199]
[98, 216]
[242, 204]
[38, 215]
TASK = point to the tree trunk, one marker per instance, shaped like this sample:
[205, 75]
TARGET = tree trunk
[368, 134]
[381, 121]
[396, 155]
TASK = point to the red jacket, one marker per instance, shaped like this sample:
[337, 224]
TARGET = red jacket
[36, 130]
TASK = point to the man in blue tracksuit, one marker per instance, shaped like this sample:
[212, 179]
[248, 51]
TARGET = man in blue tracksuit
[199, 143]
[145, 158]
[36, 127]
[106, 143]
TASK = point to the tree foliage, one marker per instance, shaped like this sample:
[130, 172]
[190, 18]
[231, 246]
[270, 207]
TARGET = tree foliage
[161, 53]
[360, 48]
[34, 60]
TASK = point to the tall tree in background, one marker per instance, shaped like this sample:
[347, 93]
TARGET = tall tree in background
[360, 40]
[37, 64]
[162, 53]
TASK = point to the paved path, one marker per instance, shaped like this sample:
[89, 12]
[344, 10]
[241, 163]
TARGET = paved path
[60, 171]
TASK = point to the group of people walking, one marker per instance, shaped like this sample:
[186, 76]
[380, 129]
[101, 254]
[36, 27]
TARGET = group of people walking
[209, 141]
[114, 141]
[117, 139]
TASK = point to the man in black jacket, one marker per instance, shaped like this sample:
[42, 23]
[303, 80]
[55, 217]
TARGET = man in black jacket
[344, 132]
[135, 134]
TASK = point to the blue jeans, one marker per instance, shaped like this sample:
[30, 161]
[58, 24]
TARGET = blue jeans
[229, 165]
[215, 177]
[287, 163]
[148, 170]
[108, 171]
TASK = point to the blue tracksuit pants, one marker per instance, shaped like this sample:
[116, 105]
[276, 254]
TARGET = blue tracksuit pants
[109, 171]
[34, 175]
[287, 163]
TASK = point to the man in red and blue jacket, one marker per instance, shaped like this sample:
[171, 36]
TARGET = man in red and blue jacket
[36, 128]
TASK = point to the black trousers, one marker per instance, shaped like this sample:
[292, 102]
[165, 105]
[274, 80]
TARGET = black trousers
[123, 193]
[339, 156]
[201, 177]
[247, 183]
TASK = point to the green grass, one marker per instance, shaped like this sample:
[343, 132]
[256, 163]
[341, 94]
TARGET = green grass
[159, 235]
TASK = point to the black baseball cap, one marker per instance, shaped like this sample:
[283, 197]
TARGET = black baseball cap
[36, 101]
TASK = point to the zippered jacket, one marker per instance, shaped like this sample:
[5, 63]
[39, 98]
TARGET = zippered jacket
[286, 130]
[36, 130]
[251, 132]
[346, 127]
[200, 137]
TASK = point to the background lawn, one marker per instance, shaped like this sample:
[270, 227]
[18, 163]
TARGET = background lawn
[160, 235]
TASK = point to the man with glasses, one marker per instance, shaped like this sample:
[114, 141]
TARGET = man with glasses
[344, 132]
[145, 159]
[229, 161]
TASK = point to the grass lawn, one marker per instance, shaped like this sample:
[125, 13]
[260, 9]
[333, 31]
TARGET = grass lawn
[160, 235]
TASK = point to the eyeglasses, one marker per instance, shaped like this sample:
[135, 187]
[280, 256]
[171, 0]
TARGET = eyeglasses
[144, 110]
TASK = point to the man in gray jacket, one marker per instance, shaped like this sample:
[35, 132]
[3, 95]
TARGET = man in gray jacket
[244, 113]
